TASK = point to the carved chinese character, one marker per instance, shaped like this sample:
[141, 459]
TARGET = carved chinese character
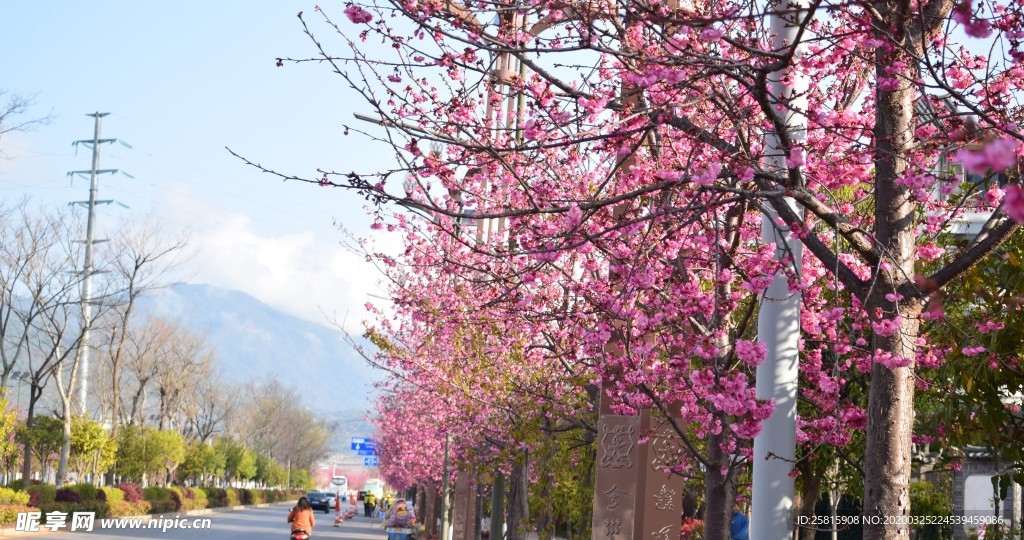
[662, 534]
[617, 443]
[665, 450]
[614, 494]
[612, 527]
[664, 499]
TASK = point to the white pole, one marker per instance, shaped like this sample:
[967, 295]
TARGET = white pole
[778, 324]
[446, 534]
[90, 239]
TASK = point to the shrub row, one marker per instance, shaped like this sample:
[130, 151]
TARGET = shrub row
[110, 494]
[10, 496]
[127, 499]
[9, 513]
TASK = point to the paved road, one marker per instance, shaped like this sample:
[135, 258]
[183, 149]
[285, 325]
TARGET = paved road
[266, 523]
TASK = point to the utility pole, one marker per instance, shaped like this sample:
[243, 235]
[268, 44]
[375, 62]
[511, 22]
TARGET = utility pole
[778, 321]
[444, 492]
[90, 240]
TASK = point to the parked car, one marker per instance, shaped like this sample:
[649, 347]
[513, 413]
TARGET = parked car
[321, 501]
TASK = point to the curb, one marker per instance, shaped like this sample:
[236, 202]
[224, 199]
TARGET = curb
[11, 531]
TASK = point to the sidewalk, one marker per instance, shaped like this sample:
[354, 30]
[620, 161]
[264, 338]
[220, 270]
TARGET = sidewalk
[357, 528]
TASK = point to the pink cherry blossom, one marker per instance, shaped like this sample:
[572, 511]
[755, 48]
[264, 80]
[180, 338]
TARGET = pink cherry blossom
[1013, 203]
[357, 14]
[996, 156]
[712, 34]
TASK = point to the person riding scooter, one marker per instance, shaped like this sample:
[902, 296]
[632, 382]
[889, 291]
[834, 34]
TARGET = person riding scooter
[302, 520]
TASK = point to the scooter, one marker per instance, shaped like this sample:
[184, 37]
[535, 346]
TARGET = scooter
[299, 534]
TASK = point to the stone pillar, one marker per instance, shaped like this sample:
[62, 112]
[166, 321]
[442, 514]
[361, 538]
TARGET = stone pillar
[618, 465]
[634, 498]
[662, 505]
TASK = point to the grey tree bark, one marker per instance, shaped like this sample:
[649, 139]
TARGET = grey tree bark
[518, 506]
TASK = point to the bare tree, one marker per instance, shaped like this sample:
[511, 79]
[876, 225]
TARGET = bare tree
[142, 259]
[50, 308]
[208, 408]
[25, 238]
[187, 359]
[275, 421]
[142, 352]
[12, 113]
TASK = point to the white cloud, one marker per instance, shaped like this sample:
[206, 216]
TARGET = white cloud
[301, 271]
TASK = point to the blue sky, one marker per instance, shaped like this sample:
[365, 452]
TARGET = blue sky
[183, 80]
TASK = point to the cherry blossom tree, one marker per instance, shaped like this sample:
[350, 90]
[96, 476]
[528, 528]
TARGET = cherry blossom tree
[614, 159]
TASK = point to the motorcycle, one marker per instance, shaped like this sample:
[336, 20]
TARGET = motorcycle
[299, 534]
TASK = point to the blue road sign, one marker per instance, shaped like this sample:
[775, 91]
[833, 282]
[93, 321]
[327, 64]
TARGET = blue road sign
[369, 462]
[367, 452]
[360, 443]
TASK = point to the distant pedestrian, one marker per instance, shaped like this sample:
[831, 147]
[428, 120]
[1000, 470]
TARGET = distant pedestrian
[740, 523]
[369, 503]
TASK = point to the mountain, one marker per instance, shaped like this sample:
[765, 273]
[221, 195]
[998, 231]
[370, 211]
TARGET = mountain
[256, 341]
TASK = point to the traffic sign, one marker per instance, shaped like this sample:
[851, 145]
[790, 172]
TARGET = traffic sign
[359, 443]
[370, 462]
[364, 443]
[367, 452]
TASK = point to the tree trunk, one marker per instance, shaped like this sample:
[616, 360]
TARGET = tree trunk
[810, 492]
[431, 510]
[543, 514]
[115, 421]
[518, 506]
[719, 492]
[421, 501]
[26, 465]
[891, 395]
[62, 463]
[65, 448]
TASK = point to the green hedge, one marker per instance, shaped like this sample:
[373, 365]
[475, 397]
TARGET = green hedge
[88, 492]
[215, 497]
[9, 496]
[275, 495]
[101, 508]
[156, 493]
[233, 498]
[9, 512]
[252, 496]
[41, 494]
[110, 494]
[125, 509]
[162, 507]
[187, 499]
